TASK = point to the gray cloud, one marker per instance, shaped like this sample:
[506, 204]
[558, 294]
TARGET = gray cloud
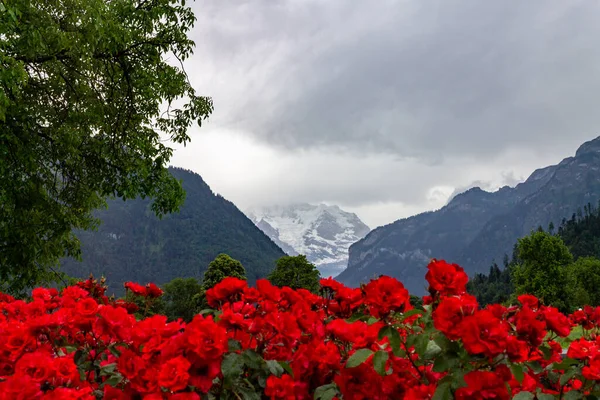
[389, 104]
[409, 78]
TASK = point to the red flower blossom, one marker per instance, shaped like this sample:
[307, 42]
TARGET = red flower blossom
[482, 385]
[445, 278]
[174, 374]
[384, 295]
[483, 333]
[450, 313]
[557, 322]
[280, 388]
[225, 290]
[135, 288]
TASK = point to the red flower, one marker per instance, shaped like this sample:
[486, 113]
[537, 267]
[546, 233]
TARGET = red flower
[39, 366]
[386, 294]
[225, 290]
[529, 301]
[130, 364]
[530, 327]
[483, 333]
[87, 307]
[482, 385]
[451, 311]
[135, 288]
[582, 349]
[280, 388]
[557, 322]
[153, 291]
[174, 374]
[447, 279]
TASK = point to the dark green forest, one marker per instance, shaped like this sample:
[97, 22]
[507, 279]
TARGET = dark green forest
[580, 235]
[133, 244]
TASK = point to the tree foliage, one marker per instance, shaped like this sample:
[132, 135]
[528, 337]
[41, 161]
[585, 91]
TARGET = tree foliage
[87, 99]
[542, 269]
[181, 298]
[220, 268]
[295, 272]
[585, 273]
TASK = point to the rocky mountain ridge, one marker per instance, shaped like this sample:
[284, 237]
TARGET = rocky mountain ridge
[477, 227]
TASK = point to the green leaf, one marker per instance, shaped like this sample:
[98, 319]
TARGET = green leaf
[441, 364]
[114, 380]
[372, 320]
[286, 367]
[71, 348]
[379, 360]
[421, 343]
[107, 369]
[535, 366]
[565, 363]
[524, 396]
[80, 357]
[546, 351]
[231, 366]
[443, 342]
[567, 375]
[573, 395]
[410, 313]
[358, 358]
[393, 336]
[432, 350]
[544, 396]
[274, 368]
[234, 345]
[114, 351]
[249, 393]
[517, 371]
[443, 392]
[252, 359]
[326, 392]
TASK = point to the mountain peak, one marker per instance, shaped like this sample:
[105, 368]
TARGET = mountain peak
[592, 146]
[322, 232]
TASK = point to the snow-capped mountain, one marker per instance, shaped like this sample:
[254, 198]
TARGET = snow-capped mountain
[323, 233]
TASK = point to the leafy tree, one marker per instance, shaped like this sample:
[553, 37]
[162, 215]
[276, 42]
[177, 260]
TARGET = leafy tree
[181, 298]
[295, 272]
[220, 268]
[586, 274]
[542, 269]
[87, 99]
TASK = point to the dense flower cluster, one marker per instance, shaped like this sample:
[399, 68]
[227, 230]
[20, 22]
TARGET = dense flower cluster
[278, 343]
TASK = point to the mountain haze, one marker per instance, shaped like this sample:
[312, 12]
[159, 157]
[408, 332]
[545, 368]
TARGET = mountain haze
[477, 227]
[133, 244]
[321, 232]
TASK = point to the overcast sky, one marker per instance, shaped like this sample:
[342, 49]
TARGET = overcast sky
[385, 108]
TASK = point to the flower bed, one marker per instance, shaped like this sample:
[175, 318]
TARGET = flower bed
[266, 342]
